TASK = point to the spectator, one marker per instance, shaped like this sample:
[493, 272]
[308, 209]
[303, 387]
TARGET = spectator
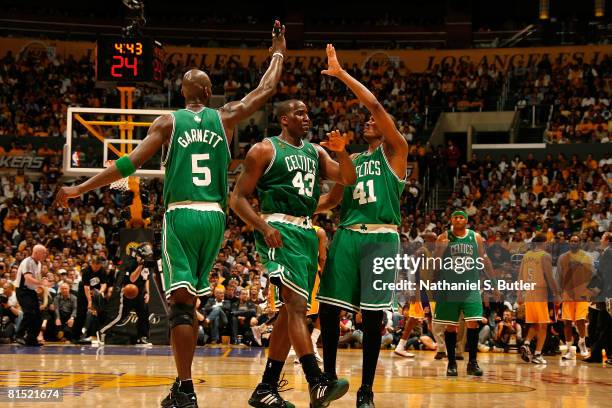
[251, 132]
[7, 320]
[243, 313]
[508, 333]
[9, 292]
[65, 312]
[217, 310]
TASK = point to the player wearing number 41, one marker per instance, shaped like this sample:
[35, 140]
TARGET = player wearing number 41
[286, 171]
[197, 141]
[369, 220]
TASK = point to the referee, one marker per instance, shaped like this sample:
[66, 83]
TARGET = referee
[27, 281]
[134, 273]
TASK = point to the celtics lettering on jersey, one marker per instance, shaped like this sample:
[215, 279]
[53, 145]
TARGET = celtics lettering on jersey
[375, 197]
[197, 159]
[460, 249]
[290, 184]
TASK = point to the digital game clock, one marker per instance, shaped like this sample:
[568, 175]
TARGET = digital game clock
[129, 61]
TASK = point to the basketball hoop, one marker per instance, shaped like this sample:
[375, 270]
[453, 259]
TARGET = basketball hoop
[123, 184]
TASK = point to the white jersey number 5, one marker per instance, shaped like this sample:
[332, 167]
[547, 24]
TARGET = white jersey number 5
[197, 169]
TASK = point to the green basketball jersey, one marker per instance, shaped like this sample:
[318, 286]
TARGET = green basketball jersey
[290, 184]
[198, 158]
[464, 247]
[375, 197]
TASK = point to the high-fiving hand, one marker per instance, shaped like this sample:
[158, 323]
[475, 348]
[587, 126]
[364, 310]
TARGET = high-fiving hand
[64, 194]
[278, 39]
[333, 66]
[335, 142]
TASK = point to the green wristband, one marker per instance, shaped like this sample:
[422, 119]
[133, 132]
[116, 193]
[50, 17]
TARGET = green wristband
[125, 166]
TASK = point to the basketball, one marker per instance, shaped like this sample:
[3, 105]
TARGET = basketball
[130, 291]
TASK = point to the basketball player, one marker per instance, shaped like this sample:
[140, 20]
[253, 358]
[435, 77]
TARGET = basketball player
[536, 267]
[460, 244]
[416, 314]
[313, 309]
[197, 141]
[370, 216]
[575, 269]
[286, 170]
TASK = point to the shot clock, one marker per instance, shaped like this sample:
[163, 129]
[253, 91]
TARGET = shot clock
[129, 61]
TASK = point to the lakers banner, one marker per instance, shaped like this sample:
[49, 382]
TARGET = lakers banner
[413, 60]
[33, 163]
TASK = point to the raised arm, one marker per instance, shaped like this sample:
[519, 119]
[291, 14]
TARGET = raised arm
[341, 171]
[396, 146]
[331, 199]
[234, 112]
[257, 160]
[159, 135]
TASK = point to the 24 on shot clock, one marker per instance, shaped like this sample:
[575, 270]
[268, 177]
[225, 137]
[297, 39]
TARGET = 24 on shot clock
[129, 61]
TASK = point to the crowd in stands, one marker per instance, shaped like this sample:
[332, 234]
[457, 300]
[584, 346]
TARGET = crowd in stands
[507, 201]
[578, 91]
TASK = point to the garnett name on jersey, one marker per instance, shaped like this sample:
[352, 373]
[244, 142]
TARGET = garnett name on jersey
[201, 136]
[299, 162]
[371, 167]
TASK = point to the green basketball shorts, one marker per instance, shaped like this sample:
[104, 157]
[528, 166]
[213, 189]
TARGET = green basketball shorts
[191, 240]
[295, 263]
[355, 276]
[448, 312]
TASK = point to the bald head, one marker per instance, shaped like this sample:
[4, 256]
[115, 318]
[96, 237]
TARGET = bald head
[197, 87]
[39, 252]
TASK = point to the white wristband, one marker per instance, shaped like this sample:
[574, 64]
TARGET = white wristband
[279, 54]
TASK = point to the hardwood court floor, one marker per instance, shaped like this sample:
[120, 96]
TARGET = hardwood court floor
[121, 377]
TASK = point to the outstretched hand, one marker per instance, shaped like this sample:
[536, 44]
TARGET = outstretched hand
[335, 142]
[64, 194]
[333, 66]
[278, 39]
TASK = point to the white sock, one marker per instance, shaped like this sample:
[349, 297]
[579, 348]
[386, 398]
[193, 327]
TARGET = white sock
[582, 340]
[526, 342]
[315, 335]
[569, 344]
[401, 346]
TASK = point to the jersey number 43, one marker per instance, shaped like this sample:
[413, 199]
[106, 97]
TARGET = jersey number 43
[304, 184]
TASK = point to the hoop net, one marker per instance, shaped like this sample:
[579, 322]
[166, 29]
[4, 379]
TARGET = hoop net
[125, 183]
